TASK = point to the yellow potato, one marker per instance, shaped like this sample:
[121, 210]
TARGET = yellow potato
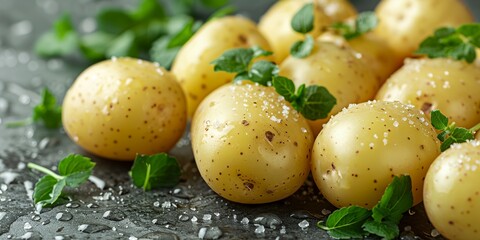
[444, 84]
[477, 135]
[404, 24]
[337, 10]
[250, 145]
[360, 149]
[451, 193]
[275, 25]
[193, 67]
[346, 76]
[120, 107]
[378, 55]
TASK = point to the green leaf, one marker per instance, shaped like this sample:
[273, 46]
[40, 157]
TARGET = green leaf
[365, 22]
[285, 87]
[162, 54]
[47, 111]
[215, 3]
[316, 103]
[182, 36]
[439, 121]
[62, 40]
[346, 222]
[155, 171]
[148, 9]
[242, 76]
[94, 46]
[448, 42]
[396, 200]
[124, 45]
[114, 21]
[386, 230]
[48, 190]
[234, 60]
[446, 144]
[302, 49]
[76, 169]
[263, 71]
[260, 52]
[302, 21]
[222, 12]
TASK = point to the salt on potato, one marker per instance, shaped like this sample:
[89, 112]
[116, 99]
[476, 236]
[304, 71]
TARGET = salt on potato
[120, 107]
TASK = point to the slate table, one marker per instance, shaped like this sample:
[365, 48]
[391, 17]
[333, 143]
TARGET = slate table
[110, 207]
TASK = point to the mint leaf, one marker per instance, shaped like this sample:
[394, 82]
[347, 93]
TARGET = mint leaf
[387, 230]
[446, 144]
[316, 102]
[302, 21]
[95, 45]
[76, 169]
[396, 200]
[222, 12]
[214, 3]
[439, 121]
[346, 222]
[124, 45]
[148, 9]
[61, 40]
[162, 54]
[114, 21]
[263, 71]
[302, 49]
[234, 60]
[155, 171]
[365, 22]
[285, 87]
[47, 111]
[73, 169]
[448, 42]
[260, 52]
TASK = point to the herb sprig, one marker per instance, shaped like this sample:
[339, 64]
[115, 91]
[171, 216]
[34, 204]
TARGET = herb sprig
[456, 43]
[382, 220]
[303, 22]
[313, 102]
[365, 22]
[450, 133]
[155, 171]
[73, 171]
[46, 112]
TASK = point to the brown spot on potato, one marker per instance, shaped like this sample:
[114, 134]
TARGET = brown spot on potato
[426, 107]
[245, 122]
[249, 185]
[269, 135]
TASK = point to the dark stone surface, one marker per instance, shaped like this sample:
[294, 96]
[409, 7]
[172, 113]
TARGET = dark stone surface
[118, 210]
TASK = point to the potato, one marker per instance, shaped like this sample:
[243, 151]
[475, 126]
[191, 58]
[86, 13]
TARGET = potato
[275, 25]
[452, 194]
[429, 84]
[120, 107]
[378, 55]
[337, 10]
[250, 145]
[477, 136]
[345, 75]
[193, 67]
[404, 24]
[362, 148]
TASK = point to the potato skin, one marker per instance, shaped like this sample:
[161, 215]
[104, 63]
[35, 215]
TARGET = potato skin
[359, 150]
[275, 25]
[193, 67]
[249, 144]
[404, 24]
[452, 194]
[444, 84]
[345, 75]
[337, 10]
[120, 107]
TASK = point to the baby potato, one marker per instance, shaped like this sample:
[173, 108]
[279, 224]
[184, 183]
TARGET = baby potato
[120, 107]
[374, 50]
[428, 84]
[249, 144]
[452, 195]
[276, 26]
[193, 67]
[337, 10]
[339, 69]
[404, 24]
[477, 136]
[362, 148]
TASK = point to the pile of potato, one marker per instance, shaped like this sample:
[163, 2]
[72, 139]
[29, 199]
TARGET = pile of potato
[251, 146]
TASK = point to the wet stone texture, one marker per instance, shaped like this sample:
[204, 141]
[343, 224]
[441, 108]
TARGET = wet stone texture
[110, 207]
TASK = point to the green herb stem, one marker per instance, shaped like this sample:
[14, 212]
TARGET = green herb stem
[20, 123]
[44, 170]
[475, 128]
[147, 177]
